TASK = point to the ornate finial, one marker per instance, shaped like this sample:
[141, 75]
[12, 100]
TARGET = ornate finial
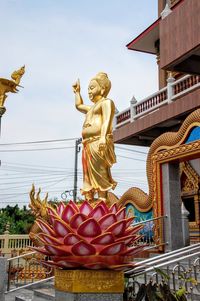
[7, 231]
[7, 85]
[167, 10]
[17, 75]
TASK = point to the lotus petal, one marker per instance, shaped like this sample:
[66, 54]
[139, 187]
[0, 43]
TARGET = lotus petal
[132, 230]
[89, 228]
[113, 208]
[107, 221]
[135, 238]
[122, 267]
[66, 264]
[85, 208]
[105, 207]
[113, 249]
[108, 260]
[71, 239]
[41, 250]
[50, 239]
[61, 228]
[129, 221]
[38, 238]
[51, 210]
[57, 250]
[96, 266]
[73, 204]
[103, 239]
[53, 217]
[132, 251]
[77, 220]
[67, 213]
[126, 239]
[60, 208]
[121, 214]
[83, 248]
[97, 212]
[45, 227]
[117, 228]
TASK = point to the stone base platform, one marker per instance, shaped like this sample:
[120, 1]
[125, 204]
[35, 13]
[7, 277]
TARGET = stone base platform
[64, 296]
[89, 285]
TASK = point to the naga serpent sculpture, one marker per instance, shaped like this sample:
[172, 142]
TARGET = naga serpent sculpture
[39, 209]
[141, 200]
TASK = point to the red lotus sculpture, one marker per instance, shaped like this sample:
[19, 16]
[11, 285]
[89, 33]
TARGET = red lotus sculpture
[86, 237]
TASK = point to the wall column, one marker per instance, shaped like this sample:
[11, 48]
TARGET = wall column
[3, 277]
[173, 232]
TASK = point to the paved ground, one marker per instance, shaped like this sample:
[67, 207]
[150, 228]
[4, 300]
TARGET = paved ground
[26, 294]
[41, 294]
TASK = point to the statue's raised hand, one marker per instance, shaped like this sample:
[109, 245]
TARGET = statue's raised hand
[76, 87]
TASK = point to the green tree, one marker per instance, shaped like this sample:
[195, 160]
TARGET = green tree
[20, 219]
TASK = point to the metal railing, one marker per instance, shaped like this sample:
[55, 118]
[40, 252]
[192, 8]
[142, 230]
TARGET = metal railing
[173, 91]
[26, 270]
[151, 232]
[177, 269]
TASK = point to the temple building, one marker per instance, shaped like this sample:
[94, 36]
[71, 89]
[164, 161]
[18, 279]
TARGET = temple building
[164, 121]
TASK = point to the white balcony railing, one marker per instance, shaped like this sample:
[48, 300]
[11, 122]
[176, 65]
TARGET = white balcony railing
[14, 243]
[173, 91]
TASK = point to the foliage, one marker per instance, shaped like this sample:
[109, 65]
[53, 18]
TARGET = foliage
[20, 220]
[157, 292]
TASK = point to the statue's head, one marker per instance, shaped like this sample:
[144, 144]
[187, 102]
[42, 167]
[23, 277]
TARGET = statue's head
[99, 86]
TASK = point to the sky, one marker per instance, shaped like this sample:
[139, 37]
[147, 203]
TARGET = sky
[60, 41]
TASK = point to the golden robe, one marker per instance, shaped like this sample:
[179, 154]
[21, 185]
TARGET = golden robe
[96, 167]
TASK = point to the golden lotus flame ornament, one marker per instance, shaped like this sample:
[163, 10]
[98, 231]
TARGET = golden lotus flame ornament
[99, 237]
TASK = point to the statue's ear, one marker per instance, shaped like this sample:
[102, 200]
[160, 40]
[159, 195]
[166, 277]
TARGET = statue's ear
[102, 91]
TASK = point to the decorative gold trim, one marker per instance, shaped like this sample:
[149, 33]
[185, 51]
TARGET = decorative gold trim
[89, 281]
[191, 184]
[182, 152]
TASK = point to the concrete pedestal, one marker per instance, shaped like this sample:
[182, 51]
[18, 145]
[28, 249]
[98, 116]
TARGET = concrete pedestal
[64, 296]
[89, 285]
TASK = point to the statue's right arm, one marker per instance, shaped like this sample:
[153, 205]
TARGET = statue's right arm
[78, 98]
[79, 103]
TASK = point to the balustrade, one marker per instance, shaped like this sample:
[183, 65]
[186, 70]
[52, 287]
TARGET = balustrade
[173, 90]
[186, 83]
[123, 116]
[14, 243]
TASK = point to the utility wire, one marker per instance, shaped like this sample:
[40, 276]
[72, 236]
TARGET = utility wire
[130, 150]
[34, 149]
[39, 141]
[131, 158]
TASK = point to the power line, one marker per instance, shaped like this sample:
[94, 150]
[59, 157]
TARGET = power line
[35, 149]
[39, 141]
[131, 158]
[35, 165]
[131, 150]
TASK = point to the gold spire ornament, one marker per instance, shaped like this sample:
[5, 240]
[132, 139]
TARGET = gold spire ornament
[98, 147]
[7, 85]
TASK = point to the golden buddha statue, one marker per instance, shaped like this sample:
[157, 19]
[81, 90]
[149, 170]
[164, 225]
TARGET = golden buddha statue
[98, 147]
